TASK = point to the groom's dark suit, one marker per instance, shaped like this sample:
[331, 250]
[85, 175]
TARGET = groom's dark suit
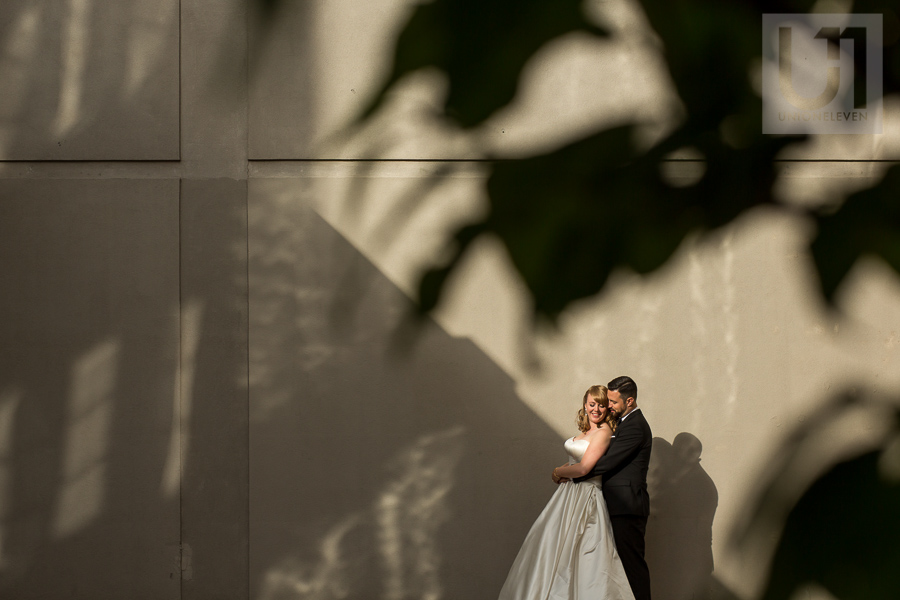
[624, 470]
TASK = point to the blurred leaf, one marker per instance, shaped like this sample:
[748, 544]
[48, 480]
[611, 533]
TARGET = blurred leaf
[843, 534]
[433, 281]
[708, 46]
[570, 217]
[267, 10]
[868, 223]
[891, 36]
[482, 46]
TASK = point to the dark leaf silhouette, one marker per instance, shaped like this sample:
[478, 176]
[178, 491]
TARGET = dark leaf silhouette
[842, 535]
[481, 45]
[866, 224]
[571, 217]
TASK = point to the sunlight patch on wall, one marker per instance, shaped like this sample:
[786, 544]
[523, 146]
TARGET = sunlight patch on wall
[699, 334]
[323, 581]
[74, 60]
[812, 592]
[406, 515]
[16, 66]
[9, 403]
[730, 318]
[648, 338]
[410, 512]
[147, 38]
[182, 398]
[714, 321]
[89, 416]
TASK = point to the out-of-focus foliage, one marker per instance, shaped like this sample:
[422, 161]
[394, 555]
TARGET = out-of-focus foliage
[570, 217]
[482, 46]
[842, 533]
[867, 223]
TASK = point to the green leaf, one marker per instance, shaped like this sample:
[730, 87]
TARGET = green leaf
[843, 535]
[570, 217]
[868, 223]
[482, 46]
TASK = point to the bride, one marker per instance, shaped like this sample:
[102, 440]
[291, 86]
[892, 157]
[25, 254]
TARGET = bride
[570, 554]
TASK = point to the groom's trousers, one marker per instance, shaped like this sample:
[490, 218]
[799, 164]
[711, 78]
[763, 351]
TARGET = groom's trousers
[628, 531]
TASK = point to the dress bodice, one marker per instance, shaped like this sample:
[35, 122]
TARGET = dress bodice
[575, 449]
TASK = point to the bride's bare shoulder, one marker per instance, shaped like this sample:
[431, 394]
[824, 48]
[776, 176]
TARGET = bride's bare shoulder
[602, 432]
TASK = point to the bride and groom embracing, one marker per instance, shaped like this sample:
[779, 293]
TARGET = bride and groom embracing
[588, 543]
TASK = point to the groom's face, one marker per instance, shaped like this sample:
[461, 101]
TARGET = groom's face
[616, 403]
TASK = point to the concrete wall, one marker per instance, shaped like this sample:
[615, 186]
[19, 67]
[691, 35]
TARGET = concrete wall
[209, 389]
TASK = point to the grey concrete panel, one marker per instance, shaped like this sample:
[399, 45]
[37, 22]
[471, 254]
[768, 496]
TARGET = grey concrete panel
[377, 469]
[90, 339]
[90, 170]
[89, 80]
[281, 113]
[214, 88]
[214, 388]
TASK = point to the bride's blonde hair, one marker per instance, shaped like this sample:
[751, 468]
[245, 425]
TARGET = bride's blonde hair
[598, 393]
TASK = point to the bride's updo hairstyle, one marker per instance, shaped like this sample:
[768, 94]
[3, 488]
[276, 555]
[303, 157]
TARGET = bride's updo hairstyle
[598, 393]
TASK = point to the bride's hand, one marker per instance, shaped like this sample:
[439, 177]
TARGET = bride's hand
[557, 480]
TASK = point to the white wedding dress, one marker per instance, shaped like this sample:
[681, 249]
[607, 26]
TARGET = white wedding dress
[569, 554]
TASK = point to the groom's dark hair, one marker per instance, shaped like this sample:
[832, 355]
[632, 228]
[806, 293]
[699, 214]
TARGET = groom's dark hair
[625, 385]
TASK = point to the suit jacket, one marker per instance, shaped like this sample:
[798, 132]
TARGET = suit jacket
[624, 468]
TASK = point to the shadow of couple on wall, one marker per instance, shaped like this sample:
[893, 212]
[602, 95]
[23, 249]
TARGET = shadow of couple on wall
[679, 531]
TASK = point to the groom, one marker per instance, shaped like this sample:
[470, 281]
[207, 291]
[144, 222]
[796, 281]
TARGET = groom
[624, 471]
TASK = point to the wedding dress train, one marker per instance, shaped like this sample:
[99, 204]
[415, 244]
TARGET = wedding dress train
[569, 554]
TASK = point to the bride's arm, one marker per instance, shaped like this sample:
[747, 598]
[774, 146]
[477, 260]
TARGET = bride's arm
[596, 448]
